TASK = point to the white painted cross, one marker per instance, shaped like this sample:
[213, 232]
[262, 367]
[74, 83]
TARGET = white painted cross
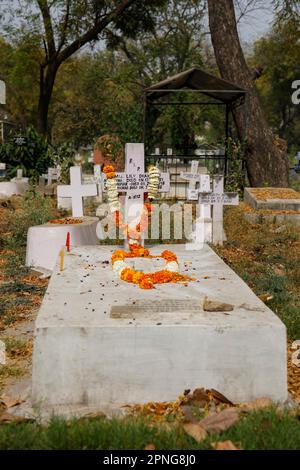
[53, 174]
[2, 92]
[218, 199]
[98, 180]
[19, 174]
[298, 158]
[2, 170]
[193, 178]
[76, 191]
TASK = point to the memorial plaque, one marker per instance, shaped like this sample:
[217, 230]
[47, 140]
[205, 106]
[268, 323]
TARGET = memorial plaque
[219, 198]
[142, 308]
[138, 182]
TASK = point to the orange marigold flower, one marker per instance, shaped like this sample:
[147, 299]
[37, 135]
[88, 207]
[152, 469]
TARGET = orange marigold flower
[169, 255]
[109, 170]
[146, 284]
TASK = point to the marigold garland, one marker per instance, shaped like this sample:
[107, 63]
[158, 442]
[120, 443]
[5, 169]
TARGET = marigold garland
[145, 280]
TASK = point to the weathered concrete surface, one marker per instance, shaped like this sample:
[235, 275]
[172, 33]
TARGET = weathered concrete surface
[45, 241]
[271, 204]
[83, 357]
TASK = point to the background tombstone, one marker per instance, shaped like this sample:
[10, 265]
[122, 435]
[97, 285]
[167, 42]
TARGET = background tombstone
[218, 199]
[97, 179]
[2, 92]
[2, 170]
[203, 224]
[76, 191]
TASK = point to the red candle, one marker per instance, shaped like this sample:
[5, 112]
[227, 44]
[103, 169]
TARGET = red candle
[68, 241]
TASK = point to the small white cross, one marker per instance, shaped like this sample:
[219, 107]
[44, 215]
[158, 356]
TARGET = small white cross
[218, 199]
[204, 212]
[76, 191]
[53, 174]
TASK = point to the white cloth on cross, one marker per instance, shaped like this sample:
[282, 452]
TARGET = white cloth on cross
[76, 191]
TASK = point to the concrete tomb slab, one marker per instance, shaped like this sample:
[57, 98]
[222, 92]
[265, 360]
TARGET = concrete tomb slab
[45, 241]
[103, 342]
[284, 199]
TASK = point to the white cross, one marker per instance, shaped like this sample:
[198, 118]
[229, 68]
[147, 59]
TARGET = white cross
[204, 210]
[218, 199]
[298, 157]
[98, 180]
[2, 92]
[53, 174]
[76, 191]
[19, 174]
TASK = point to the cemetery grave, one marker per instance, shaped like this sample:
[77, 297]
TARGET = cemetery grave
[274, 204]
[45, 241]
[17, 186]
[217, 311]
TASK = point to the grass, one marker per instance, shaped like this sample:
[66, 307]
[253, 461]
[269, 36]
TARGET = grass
[268, 429]
[267, 258]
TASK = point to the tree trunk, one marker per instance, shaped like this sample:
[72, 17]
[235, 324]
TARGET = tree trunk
[266, 157]
[47, 79]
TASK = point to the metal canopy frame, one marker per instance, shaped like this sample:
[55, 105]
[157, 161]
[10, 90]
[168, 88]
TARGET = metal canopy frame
[196, 80]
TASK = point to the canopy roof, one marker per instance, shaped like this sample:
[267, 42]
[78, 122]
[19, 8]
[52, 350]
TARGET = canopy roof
[197, 79]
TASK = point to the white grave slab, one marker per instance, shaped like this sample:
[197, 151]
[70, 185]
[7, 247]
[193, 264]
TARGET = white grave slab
[103, 342]
[76, 191]
[44, 242]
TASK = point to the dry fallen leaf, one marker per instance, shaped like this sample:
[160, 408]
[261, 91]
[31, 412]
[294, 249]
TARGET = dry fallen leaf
[219, 397]
[9, 402]
[196, 431]
[257, 404]
[266, 297]
[216, 306]
[9, 418]
[224, 445]
[150, 447]
[218, 422]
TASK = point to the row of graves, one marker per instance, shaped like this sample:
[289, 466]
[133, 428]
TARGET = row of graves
[137, 323]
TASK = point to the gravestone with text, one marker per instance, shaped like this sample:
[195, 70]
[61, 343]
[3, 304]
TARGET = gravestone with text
[134, 182]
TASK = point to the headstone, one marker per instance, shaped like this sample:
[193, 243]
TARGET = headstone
[19, 173]
[2, 170]
[53, 174]
[76, 191]
[202, 230]
[2, 353]
[2, 92]
[134, 182]
[218, 199]
[98, 179]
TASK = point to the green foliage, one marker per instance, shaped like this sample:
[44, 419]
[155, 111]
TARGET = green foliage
[235, 180]
[261, 430]
[278, 55]
[34, 157]
[35, 210]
